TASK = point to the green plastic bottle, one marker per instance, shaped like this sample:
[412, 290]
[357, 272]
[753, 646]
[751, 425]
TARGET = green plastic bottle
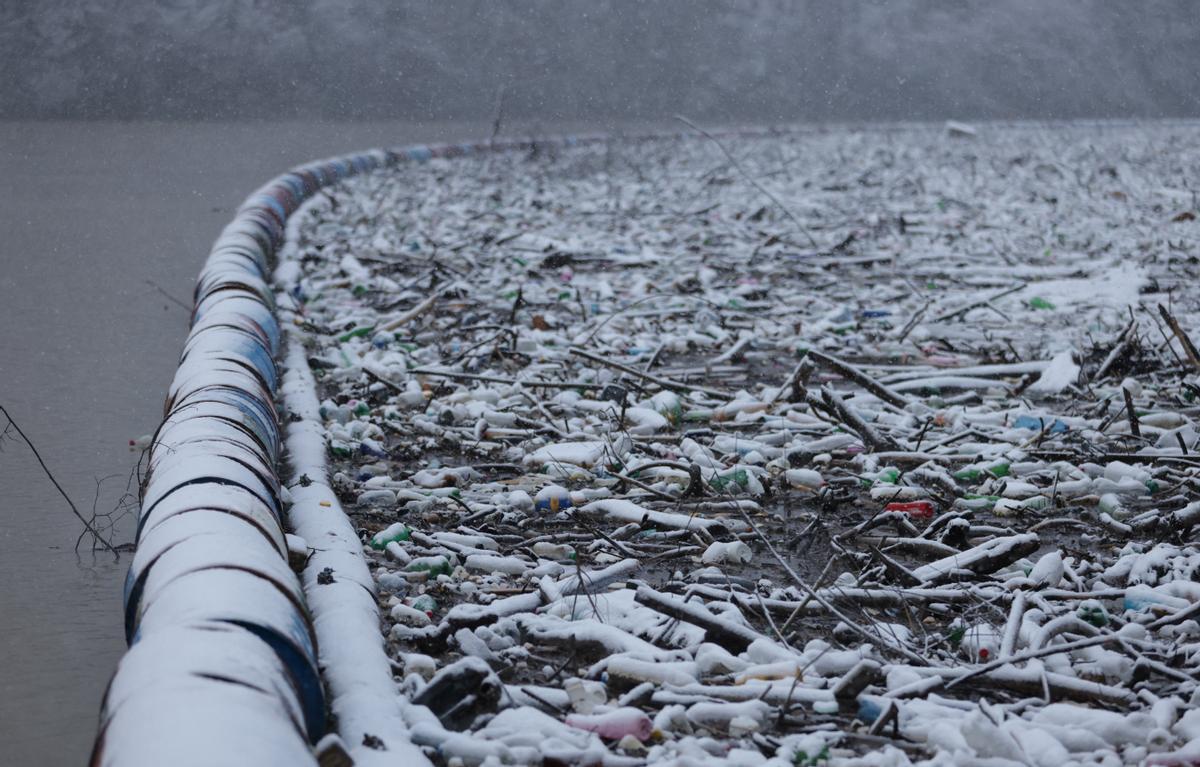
[886, 477]
[356, 333]
[424, 603]
[737, 477]
[392, 534]
[1000, 469]
[435, 566]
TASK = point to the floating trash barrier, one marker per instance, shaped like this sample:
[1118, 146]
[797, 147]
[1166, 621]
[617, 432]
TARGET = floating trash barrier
[223, 666]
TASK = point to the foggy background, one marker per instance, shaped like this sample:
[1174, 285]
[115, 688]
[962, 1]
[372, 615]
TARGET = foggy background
[577, 59]
[173, 110]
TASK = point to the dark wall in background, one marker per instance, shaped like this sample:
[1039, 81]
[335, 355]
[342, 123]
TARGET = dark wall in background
[563, 59]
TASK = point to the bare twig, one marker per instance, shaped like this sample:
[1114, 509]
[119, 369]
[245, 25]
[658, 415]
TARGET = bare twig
[88, 525]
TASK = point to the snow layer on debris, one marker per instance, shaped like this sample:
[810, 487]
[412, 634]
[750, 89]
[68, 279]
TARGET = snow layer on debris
[581, 370]
[1113, 285]
[1062, 372]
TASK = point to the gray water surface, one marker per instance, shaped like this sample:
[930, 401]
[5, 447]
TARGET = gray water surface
[95, 219]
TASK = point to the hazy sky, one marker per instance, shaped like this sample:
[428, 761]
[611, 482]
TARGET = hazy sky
[759, 59]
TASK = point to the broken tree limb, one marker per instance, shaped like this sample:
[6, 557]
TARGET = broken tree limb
[411, 314]
[1188, 347]
[873, 439]
[985, 558]
[665, 383]
[846, 370]
[731, 636]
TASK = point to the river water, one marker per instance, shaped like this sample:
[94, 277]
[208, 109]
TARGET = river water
[97, 222]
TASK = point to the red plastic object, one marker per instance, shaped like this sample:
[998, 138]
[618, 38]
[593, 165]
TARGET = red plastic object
[918, 509]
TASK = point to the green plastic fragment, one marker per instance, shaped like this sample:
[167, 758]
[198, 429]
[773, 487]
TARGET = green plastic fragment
[737, 477]
[957, 632]
[1037, 302]
[356, 333]
[802, 759]
[1093, 612]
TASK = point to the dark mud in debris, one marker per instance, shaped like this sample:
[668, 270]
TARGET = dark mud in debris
[897, 462]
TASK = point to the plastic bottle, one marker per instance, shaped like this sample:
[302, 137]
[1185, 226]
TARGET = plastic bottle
[974, 502]
[1000, 469]
[437, 565]
[361, 332]
[424, 603]
[734, 552]
[737, 477]
[614, 724]
[552, 498]
[1048, 570]
[377, 497]
[1036, 503]
[804, 478]
[330, 411]
[1110, 504]
[1034, 423]
[372, 448]
[555, 551]
[918, 509]
[979, 643]
[886, 476]
[667, 403]
[395, 532]
[584, 695]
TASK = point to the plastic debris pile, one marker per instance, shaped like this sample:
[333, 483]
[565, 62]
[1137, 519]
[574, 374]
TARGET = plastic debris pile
[870, 446]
